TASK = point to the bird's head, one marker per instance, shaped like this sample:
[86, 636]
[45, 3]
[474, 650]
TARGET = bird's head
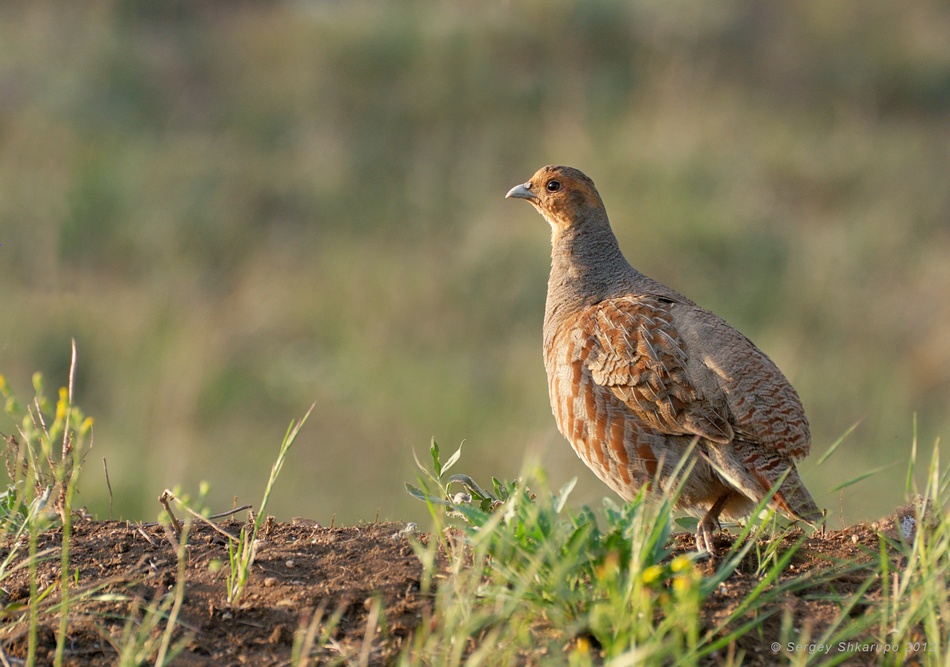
[563, 195]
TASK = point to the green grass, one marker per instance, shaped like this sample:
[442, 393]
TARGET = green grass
[241, 553]
[517, 574]
[526, 579]
[44, 460]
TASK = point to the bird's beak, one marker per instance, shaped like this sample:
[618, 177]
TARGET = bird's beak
[521, 192]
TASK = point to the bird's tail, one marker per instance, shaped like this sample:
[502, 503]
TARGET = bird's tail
[755, 473]
[794, 500]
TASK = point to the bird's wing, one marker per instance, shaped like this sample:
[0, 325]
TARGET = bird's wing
[764, 407]
[634, 349]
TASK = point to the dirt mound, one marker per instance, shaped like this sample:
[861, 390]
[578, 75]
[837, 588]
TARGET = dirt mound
[299, 571]
[361, 575]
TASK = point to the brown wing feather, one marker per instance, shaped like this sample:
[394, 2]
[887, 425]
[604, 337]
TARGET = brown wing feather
[636, 351]
[765, 408]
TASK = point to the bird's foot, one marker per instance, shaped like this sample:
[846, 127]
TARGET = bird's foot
[707, 527]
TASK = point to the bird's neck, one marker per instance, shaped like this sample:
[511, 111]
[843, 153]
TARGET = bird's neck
[586, 268]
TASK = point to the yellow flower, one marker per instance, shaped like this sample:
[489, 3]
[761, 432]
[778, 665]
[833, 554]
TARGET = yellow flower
[651, 574]
[681, 563]
[583, 645]
[63, 404]
[682, 584]
[85, 426]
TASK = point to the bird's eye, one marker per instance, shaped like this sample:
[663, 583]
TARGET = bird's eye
[553, 186]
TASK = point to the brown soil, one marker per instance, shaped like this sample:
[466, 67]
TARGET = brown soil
[298, 570]
[301, 569]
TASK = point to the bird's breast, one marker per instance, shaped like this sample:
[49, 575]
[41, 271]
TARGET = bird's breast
[616, 448]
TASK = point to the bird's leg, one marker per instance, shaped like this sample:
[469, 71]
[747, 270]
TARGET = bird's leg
[709, 525]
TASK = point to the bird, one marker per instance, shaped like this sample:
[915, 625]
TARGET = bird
[640, 377]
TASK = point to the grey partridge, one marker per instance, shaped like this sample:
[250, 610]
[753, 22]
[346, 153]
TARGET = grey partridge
[638, 373]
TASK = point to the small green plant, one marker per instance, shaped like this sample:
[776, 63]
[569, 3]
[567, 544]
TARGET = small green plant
[542, 572]
[470, 501]
[527, 577]
[241, 553]
[532, 575]
[44, 464]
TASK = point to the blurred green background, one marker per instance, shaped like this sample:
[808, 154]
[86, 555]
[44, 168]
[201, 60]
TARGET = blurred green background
[240, 208]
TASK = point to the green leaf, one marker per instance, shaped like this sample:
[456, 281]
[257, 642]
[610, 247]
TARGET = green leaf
[563, 494]
[501, 490]
[689, 523]
[471, 485]
[452, 460]
[436, 463]
[831, 450]
[416, 492]
[861, 477]
[912, 463]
